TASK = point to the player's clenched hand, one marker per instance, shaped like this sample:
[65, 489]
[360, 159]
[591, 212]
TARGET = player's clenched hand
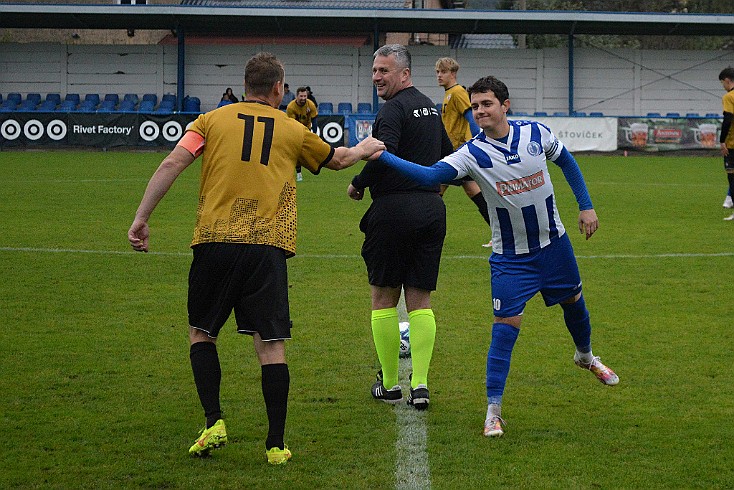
[354, 193]
[588, 222]
[138, 235]
[371, 148]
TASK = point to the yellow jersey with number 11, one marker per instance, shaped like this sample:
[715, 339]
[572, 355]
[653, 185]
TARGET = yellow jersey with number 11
[247, 191]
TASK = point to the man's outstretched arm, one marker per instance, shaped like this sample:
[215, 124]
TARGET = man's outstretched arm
[438, 173]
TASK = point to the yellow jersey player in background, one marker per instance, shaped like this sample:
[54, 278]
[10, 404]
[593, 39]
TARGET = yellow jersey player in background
[303, 110]
[726, 140]
[459, 123]
[245, 229]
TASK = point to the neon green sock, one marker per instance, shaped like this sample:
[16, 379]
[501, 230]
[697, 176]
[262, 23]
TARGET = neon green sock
[386, 334]
[422, 338]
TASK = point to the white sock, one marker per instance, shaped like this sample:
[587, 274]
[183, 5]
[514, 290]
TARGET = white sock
[585, 357]
[493, 409]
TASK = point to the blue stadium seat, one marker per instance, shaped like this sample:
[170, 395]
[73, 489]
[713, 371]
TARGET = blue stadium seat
[169, 98]
[326, 108]
[224, 102]
[15, 97]
[127, 105]
[114, 98]
[150, 97]
[55, 98]
[673, 114]
[107, 105]
[713, 114]
[540, 114]
[67, 106]
[653, 114]
[364, 108]
[87, 106]
[692, 114]
[132, 98]
[47, 106]
[167, 104]
[73, 98]
[146, 106]
[27, 105]
[92, 99]
[560, 114]
[579, 114]
[344, 108]
[192, 104]
[439, 106]
[34, 97]
[596, 114]
[8, 105]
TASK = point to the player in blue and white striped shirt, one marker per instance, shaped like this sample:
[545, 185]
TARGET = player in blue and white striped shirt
[531, 250]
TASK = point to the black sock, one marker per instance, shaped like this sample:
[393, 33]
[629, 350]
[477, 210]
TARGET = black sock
[207, 376]
[730, 178]
[275, 385]
[482, 206]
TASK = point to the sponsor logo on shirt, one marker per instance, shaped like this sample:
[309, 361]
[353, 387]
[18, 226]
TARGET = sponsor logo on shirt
[426, 111]
[512, 158]
[523, 184]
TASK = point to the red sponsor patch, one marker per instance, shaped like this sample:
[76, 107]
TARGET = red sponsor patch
[667, 135]
[523, 184]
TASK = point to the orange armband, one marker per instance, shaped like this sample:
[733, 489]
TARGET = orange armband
[193, 142]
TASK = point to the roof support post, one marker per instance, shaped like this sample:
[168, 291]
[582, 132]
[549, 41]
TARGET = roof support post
[570, 75]
[181, 68]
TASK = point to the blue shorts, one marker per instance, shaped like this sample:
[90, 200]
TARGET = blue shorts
[552, 271]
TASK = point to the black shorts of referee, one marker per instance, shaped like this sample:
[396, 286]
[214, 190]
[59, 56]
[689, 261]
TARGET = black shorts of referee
[403, 238]
[250, 279]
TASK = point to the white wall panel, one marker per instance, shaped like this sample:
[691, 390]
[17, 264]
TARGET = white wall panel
[615, 82]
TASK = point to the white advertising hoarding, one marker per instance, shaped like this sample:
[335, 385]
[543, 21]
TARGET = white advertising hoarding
[582, 133]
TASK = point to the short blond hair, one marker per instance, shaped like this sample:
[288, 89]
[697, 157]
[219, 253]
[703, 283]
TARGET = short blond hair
[449, 64]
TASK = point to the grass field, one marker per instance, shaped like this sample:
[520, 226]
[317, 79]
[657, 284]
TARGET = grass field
[98, 393]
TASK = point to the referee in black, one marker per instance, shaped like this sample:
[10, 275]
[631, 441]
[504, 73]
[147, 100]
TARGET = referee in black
[404, 226]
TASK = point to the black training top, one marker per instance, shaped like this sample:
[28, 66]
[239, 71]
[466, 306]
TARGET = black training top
[410, 126]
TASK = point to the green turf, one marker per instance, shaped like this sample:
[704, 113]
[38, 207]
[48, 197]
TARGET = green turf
[98, 393]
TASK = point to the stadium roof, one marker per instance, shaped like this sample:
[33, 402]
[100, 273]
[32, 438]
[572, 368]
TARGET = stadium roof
[295, 19]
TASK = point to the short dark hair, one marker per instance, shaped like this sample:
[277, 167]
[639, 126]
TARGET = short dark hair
[490, 84]
[727, 72]
[262, 71]
[302, 89]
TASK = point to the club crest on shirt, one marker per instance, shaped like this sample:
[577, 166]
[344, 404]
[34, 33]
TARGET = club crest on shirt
[523, 184]
[534, 148]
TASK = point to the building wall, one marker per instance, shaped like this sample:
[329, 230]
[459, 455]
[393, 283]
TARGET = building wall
[622, 82]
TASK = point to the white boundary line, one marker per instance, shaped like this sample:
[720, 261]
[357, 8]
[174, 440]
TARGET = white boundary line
[351, 257]
[412, 468]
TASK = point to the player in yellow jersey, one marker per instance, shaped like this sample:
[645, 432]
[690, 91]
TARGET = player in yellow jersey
[457, 118]
[245, 229]
[303, 110]
[726, 77]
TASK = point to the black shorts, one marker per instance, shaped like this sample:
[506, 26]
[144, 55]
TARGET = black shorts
[729, 161]
[403, 238]
[252, 280]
